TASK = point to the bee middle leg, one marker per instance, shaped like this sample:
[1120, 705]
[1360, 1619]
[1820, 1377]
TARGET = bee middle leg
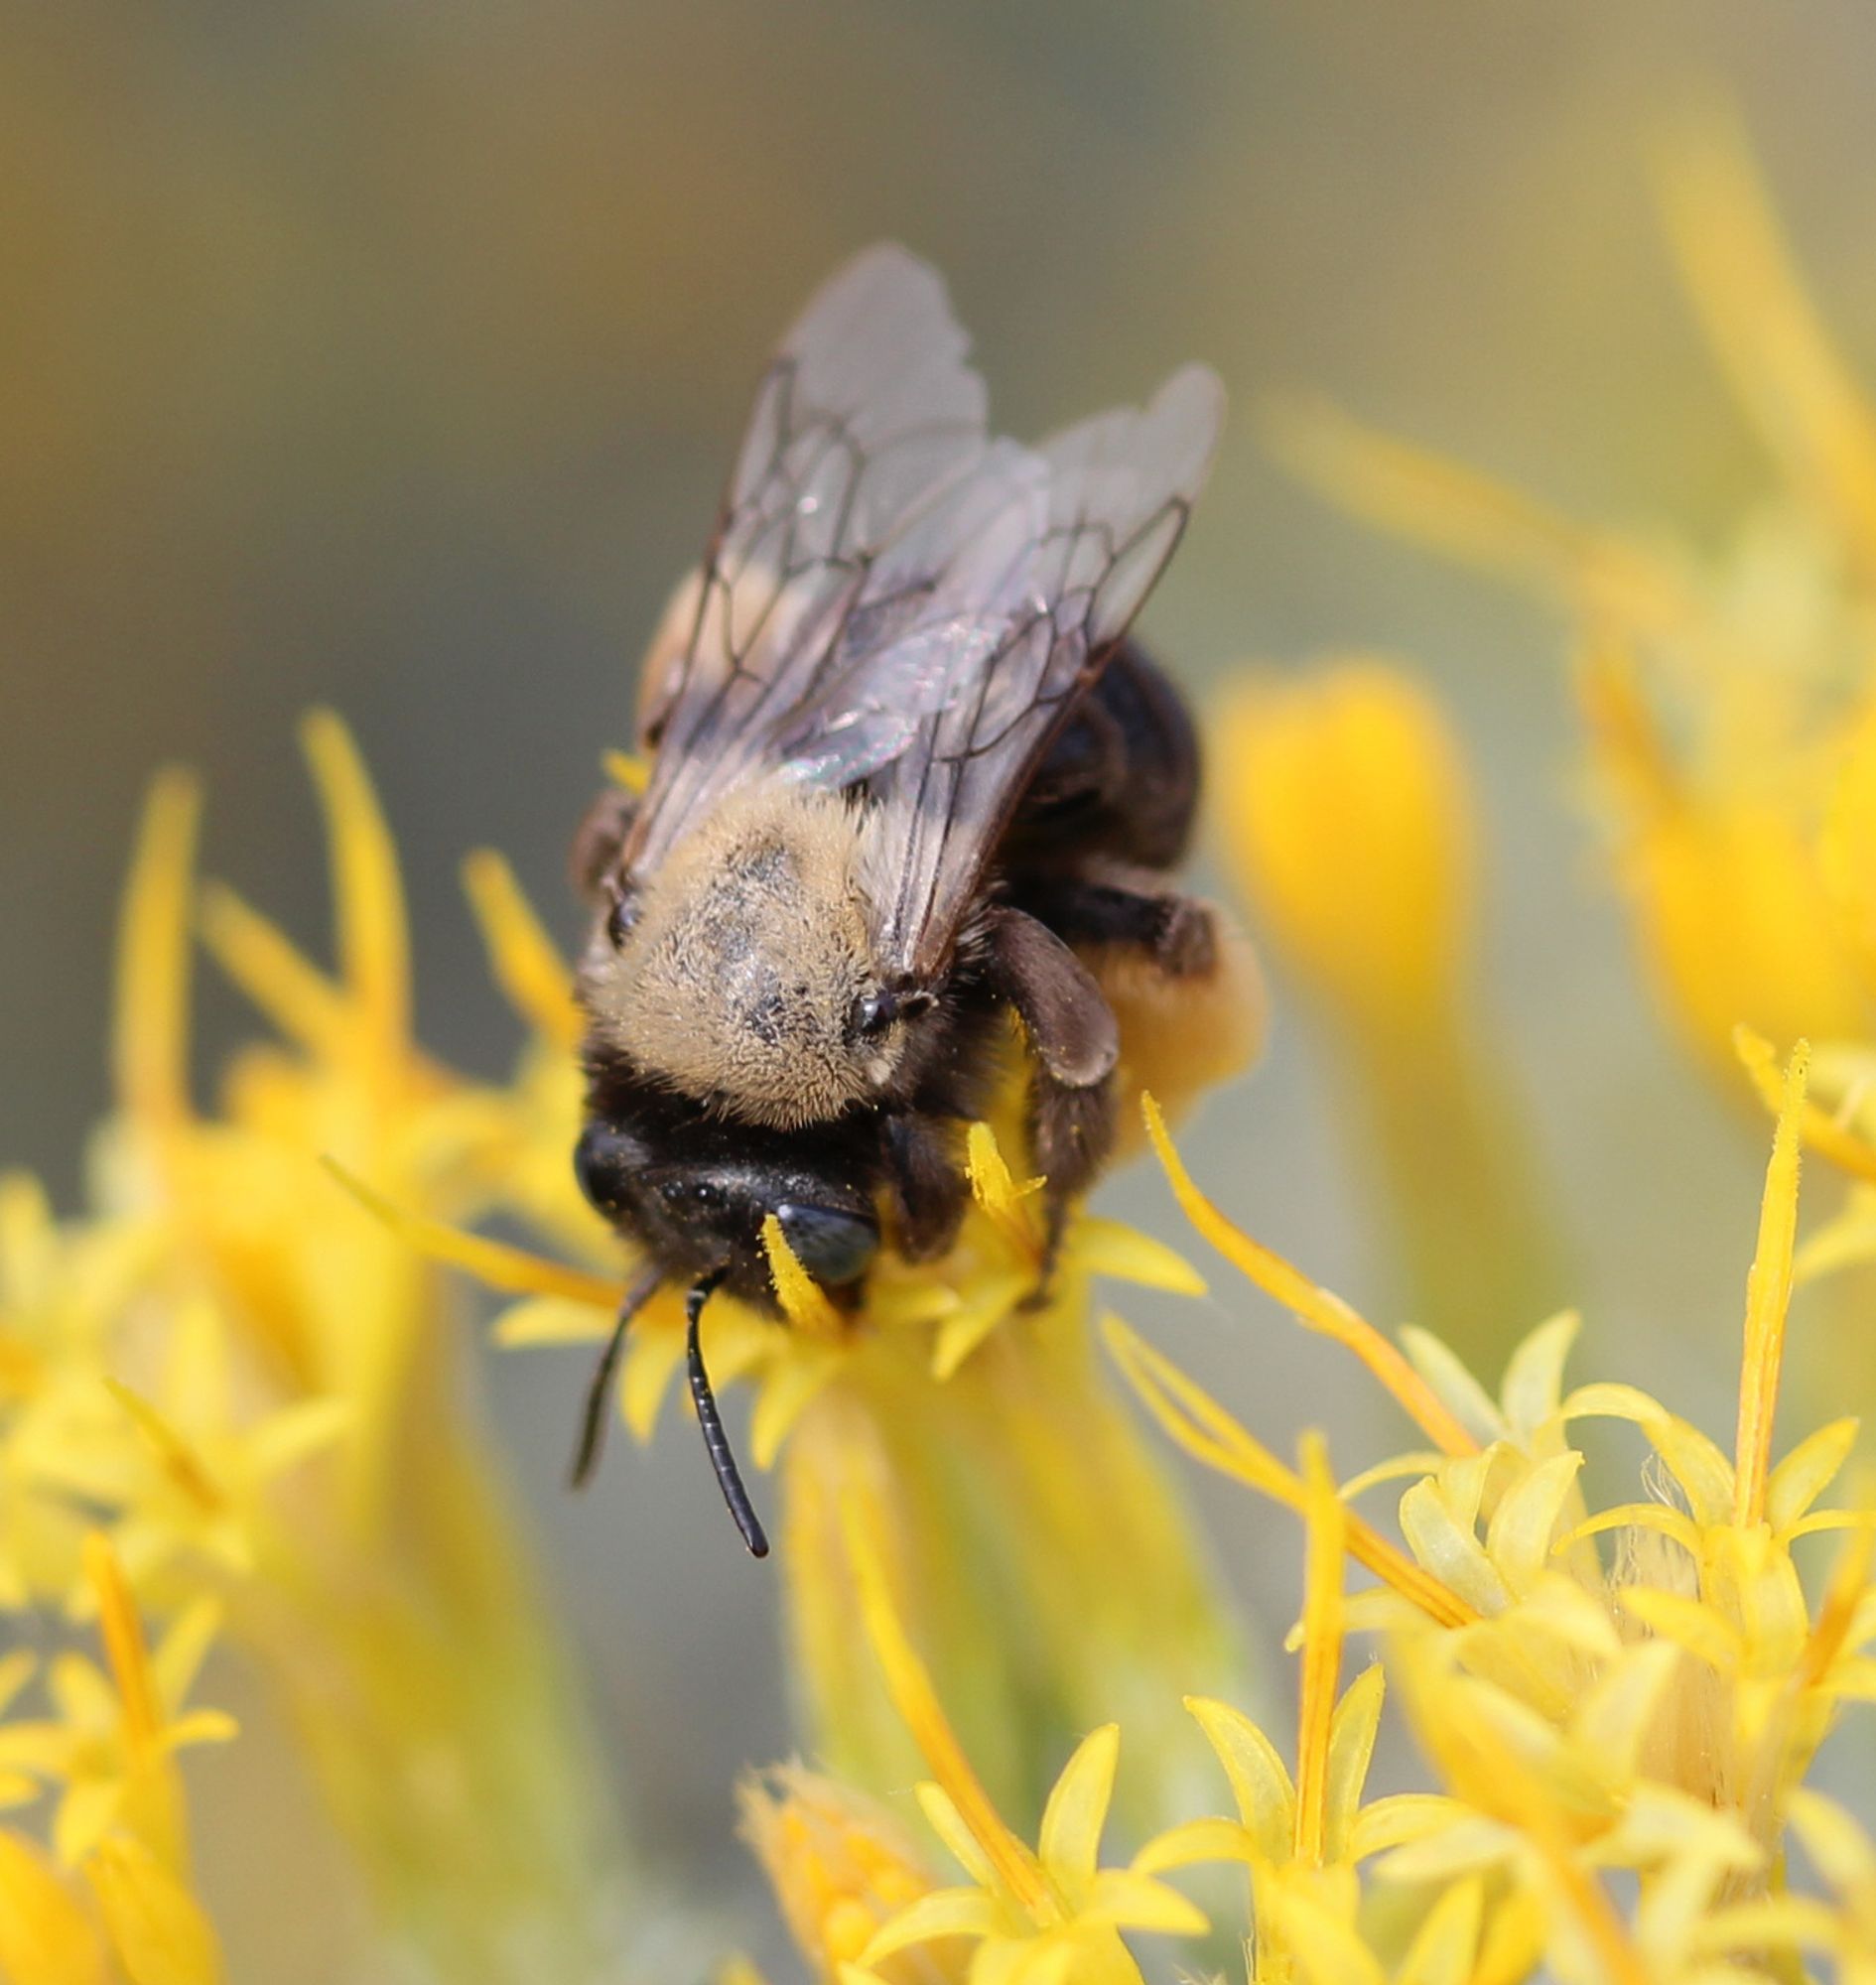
[1120, 908]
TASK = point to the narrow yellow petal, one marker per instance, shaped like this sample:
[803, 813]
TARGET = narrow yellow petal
[1352, 1735]
[1077, 1810]
[124, 1647]
[1325, 1519]
[1197, 1841]
[1806, 1472]
[1128, 1899]
[373, 938]
[1428, 497]
[1820, 1131]
[179, 1461]
[1316, 1307]
[967, 1913]
[1780, 360]
[1109, 1248]
[259, 957]
[151, 1044]
[527, 967]
[1843, 1597]
[1197, 1424]
[909, 1684]
[1768, 1299]
[512, 1270]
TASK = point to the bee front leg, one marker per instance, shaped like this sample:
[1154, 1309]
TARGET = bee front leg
[1076, 1044]
[599, 841]
[929, 1192]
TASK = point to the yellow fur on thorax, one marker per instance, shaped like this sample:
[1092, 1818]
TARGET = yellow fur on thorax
[737, 983]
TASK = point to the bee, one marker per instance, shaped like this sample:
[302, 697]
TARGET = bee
[908, 776]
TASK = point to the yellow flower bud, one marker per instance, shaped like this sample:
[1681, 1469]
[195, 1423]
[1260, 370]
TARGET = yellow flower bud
[1347, 817]
[840, 1863]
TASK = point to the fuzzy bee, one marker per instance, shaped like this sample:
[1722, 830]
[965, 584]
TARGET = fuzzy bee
[908, 777]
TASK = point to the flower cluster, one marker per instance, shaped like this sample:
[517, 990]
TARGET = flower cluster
[1615, 1747]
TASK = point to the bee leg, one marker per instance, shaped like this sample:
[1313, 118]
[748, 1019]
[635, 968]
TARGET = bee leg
[599, 841]
[1071, 1131]
[715, 1441]
[929, 1193]
[592, 1420]
[1175, 934]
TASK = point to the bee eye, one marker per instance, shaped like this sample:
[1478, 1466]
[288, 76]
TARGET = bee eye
[621, 920]
[874, 1012]
[833, 1247]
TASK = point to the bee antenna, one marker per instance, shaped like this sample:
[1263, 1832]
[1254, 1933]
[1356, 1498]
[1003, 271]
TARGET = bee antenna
[715, 1441]
[593, 1421]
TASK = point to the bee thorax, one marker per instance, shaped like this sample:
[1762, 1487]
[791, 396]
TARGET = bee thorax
[745, 978]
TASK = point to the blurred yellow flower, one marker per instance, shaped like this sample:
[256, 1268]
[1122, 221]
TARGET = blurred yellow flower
[1728, 701]
[1348, 817]
[840, 1864]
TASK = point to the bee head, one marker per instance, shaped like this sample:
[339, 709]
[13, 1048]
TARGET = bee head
[696, 1199]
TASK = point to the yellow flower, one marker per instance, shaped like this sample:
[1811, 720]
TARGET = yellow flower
[1049, 1913]
[840, 1864]
[252, 1386]
[1302, 1840]
[1654, 1717]
[1728, 701]
[116, 1729]
[1346, 811]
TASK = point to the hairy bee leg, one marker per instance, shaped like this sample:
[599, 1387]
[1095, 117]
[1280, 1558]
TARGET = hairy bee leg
[1071, 1131]
[715, 1441]
[592, 1420]
[599, 839]
[1177, 934]
[1063, 1009]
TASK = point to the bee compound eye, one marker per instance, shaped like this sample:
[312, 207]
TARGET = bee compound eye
[604, 1160]
[834, 1246]
[621, 919]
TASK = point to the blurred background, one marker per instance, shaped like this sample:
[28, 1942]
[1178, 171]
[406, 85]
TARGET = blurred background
[390, 357]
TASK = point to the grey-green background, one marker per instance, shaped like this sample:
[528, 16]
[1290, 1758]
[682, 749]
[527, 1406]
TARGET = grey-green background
[390, 357]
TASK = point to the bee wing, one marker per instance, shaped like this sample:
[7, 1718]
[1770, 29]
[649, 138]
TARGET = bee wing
[867, 420]
[1048, 556]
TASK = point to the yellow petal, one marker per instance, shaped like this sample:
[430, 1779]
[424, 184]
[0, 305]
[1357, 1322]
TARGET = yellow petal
[513, 1271]
[944, 1913]
[1077, 1810]
[526, 962]
[1107, 1248]
[1192, 1419]
[1518, 1539]
[1451, 1554]
[1806, 1472]
[548, 1320]
[47, 1936]
[1611, 1726]
[1688, 1623]
[156, 1926]
[1125, 1899]
[1819, 1130]
[1534, 1374]
[802, 1299]
[1260, 1780]
[1401, 1818]
[1318, 1308]
[1446, 1942]
[1325, 1536]
[1197, 1841]
[1351, 1750]
[1768, 1299]
[281, 980]
[909, 1684]
[945, 1820]
[373, 945]
[151, 1046]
